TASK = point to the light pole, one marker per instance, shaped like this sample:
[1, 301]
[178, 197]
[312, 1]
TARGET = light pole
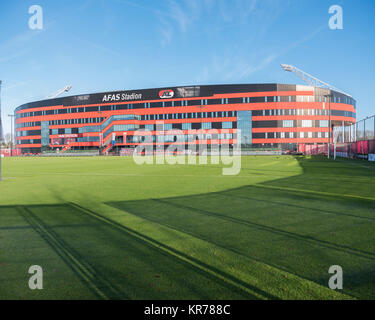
[201, 121]
[1, 130]
[329, 96]
[11, 133]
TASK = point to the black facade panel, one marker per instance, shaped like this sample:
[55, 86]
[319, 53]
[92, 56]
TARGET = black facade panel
[257, 99]
[177, 126]
[216, 125]
[92, 109]
[265, 124]
[138, 105]
[259, 135]
[194, 102]
[286, 87]
[235, 100]
[213, 101]
[148, 94]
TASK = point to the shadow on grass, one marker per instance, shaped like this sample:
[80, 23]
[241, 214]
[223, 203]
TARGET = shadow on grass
[301, 231]
[115, 262]
[301, 224]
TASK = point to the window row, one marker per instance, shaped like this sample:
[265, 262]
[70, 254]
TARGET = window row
[189, 115]
[178, 138]
[191, 126]
[302, 112]
[29, 141]
[290, 135]
[185, 103]
[290, 124]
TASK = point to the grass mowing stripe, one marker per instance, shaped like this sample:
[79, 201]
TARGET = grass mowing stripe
[318, 192]
[239, 284]
[252, 271]
[322, 243]
[208, 239]
[85, 272]
[285, 204]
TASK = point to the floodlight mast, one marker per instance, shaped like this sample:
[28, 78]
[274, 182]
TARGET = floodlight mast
[311, 80]
[61, 91]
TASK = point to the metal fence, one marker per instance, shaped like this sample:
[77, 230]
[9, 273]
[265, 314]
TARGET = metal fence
[360, 131]
[356, 140]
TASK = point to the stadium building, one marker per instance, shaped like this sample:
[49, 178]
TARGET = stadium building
[269, 116]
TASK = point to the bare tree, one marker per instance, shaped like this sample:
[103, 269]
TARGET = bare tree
[8, 140]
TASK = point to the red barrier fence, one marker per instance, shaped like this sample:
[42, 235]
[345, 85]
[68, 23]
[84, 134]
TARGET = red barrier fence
[9, 152]
[364, 149]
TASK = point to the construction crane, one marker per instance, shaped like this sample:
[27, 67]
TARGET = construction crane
[311, 80]
[61, 91]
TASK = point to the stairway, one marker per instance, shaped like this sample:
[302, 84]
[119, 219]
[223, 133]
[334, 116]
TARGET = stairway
[107, 148]
[67, 147]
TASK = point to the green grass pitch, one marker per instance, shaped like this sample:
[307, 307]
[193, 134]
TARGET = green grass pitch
[106, 228]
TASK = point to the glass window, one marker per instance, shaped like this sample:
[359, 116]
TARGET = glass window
[206, 125]
[186, 126]
[244, 125]
[227, 125]
[323, 123]
[306, 123]
[288, 123]
[45, 133]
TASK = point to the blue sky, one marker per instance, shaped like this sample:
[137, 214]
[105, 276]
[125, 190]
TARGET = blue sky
[105, 45]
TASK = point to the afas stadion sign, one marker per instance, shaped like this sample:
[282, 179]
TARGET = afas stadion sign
[163, 94]
[166, 94]
[122, 97]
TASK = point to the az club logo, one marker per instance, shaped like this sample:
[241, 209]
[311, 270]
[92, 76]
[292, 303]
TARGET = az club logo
[165, 94]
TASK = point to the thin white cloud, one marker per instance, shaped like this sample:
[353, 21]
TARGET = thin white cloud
[181, 16]
[10, 85]
[235, 67]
